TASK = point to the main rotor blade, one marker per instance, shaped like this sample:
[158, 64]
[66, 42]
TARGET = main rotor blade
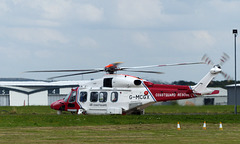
[163, 65]
[117, 63]
[226, 76]
[155, 72]
[68, 75]
[62, 70]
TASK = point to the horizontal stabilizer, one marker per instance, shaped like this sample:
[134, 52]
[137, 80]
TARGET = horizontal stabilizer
[215, 92]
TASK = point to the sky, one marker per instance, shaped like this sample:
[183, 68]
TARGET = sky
[82, 34]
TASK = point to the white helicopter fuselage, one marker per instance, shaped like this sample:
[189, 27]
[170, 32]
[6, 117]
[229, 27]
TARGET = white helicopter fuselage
[125, 94]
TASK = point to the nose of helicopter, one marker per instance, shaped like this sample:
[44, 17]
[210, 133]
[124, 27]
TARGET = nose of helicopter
[57, 104]
[52, 107]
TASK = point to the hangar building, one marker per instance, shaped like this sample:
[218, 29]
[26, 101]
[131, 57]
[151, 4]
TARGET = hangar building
[231, 94]
[20, 93]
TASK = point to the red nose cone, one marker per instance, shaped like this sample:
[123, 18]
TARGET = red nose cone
[57, 104]
[52, 105]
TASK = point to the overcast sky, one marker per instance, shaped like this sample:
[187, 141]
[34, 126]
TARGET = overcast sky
[80, 34]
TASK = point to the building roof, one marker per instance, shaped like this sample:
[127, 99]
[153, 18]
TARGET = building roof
[232, 85]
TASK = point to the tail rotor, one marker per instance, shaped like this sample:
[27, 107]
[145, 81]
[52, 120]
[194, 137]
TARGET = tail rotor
[206, 59]
[223, 59]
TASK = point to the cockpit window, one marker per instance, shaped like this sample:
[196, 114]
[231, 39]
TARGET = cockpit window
[94, 97]
[66, 98]
[72, 97]
[83, 96]
[102, 96]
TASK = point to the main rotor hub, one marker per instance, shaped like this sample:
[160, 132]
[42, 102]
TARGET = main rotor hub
[111, 68]
[218, 66]
[216, 69]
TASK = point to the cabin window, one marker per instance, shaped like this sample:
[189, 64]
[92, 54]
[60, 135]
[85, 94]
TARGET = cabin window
[102, 96]
[72, 97]
[114, 96]
[94, 97]
[83, 96]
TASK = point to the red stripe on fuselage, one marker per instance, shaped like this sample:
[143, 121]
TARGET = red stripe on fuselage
[163, 92]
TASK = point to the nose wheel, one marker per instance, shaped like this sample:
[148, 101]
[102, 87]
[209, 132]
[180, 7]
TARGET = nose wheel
[59, 112]
[81, 111]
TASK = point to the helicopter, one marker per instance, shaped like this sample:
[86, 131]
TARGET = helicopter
[125, 94]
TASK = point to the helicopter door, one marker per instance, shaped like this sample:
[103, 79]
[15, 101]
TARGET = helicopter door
[72, 101]
[98, 102]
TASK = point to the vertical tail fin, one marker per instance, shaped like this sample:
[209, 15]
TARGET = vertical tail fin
[201, 87]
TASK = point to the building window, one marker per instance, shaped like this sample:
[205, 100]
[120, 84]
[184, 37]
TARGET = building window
[114, 96]
[208, 101]
[94, 97]
[102, 96]
[83, 96]
[53, 91]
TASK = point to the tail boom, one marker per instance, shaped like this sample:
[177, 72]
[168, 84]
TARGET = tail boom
[161, 92]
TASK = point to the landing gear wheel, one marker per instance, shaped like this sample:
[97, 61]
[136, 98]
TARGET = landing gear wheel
[138, 112]
[59, 112]
[74, 113]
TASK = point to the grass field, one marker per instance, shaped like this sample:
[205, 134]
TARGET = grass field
[40, 124]
[145, 133]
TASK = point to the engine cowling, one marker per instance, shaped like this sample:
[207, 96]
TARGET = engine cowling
[126, 81]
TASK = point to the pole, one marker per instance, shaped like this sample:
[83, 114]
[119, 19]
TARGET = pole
[235, 51]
